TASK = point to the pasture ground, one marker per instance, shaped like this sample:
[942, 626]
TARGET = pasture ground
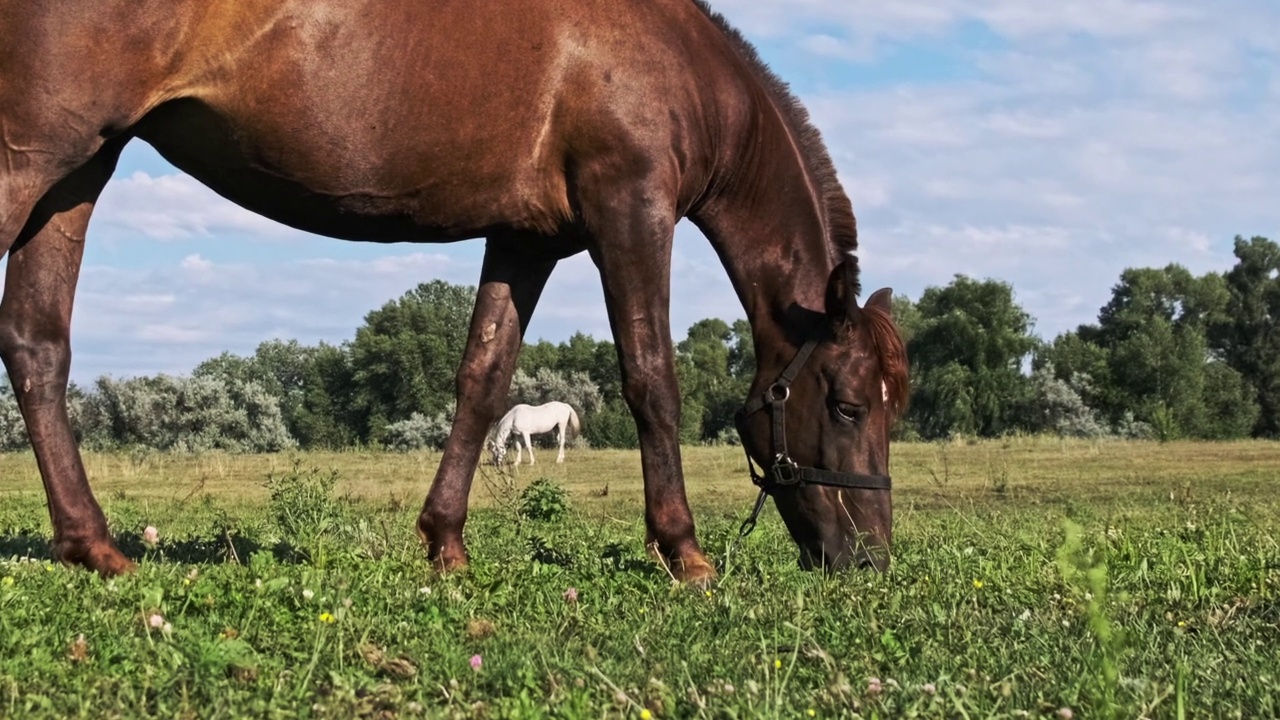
[1031, 578]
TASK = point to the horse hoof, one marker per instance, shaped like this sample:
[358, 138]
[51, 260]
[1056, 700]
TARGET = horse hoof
[446, 565]
[693, 569]
[101, 557]
[695, 572]
[118, 565]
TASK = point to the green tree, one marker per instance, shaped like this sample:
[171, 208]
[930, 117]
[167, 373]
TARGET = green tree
[406, 355]
[310, 384]
[535, 356]
[967, 350]
[1148, 358]
[906, 315]
[1247, 336]
[581, 353]
[711, 364]
[1155, 328]
[327, 416]
[742, 353]
[1078, 359]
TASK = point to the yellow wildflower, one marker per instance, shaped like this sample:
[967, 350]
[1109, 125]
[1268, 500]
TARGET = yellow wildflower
[645, 714]
[327, 618]
[977, 584]
[777, 664]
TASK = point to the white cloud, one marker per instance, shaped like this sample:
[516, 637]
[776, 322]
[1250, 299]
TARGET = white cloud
[176, 207]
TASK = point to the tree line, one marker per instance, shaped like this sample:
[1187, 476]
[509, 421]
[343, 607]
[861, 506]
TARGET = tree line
[1171, 355]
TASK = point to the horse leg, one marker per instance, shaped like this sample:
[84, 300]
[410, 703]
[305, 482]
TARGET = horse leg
[632, 250]
[35, 343]
[528, 442]
[510, 285]
[560, 429]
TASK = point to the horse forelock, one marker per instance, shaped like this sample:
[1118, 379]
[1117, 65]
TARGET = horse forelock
[842, 226]
[890, 351]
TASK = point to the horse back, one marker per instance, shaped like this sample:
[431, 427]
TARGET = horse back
[389, 120]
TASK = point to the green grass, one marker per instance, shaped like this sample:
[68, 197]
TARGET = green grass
[1114, 579]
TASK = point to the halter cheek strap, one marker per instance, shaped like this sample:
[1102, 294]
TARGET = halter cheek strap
[784, 471]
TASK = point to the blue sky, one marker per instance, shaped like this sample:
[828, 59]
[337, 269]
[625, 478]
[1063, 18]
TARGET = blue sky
[1050, 145]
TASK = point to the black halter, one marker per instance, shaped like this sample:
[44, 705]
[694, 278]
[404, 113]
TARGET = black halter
[785, 472]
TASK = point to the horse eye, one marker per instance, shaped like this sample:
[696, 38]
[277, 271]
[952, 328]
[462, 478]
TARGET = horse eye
[848, 411]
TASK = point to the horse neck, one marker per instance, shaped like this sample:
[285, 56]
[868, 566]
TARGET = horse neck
[769, 227]
[504, 429]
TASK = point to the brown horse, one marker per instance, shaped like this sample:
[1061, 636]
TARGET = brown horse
[549, 127]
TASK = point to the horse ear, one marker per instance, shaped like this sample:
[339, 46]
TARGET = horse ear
[842, 292]
[882, 300]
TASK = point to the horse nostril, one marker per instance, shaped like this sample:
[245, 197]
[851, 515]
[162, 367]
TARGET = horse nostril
[876, 559]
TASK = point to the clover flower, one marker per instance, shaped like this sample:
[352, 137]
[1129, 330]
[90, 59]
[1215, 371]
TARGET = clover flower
[151, 536]
[476, 662]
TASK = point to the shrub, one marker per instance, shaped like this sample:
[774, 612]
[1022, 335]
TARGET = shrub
[417, 433]
[1058, 407]
[183, 414]
[546, 385]
[13, 432]
[544, 500]
[612, 427]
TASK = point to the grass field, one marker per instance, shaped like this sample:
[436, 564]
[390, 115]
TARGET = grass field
[1031, 578]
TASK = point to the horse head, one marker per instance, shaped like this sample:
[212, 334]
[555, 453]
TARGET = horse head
[819, 427]
[497, 451]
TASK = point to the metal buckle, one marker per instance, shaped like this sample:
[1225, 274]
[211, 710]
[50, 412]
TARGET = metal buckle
[778, 393]
[785, 470]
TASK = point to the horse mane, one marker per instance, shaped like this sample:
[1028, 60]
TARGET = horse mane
[894, 370]
[841, 224]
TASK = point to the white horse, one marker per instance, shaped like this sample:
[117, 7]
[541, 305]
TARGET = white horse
[526, 420]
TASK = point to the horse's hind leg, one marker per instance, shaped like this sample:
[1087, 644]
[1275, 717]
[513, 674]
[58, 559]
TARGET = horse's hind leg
[560, 430]
[35, 343]
[528, 443]
[510, 285]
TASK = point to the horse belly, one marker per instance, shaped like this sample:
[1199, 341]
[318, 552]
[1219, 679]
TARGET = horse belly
[408, 138]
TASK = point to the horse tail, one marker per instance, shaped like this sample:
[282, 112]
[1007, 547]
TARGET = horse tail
[575, 427]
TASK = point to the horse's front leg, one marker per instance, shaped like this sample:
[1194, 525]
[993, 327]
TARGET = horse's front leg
[35, 342]
[510, 285]
[632, 252]
[528, 443]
